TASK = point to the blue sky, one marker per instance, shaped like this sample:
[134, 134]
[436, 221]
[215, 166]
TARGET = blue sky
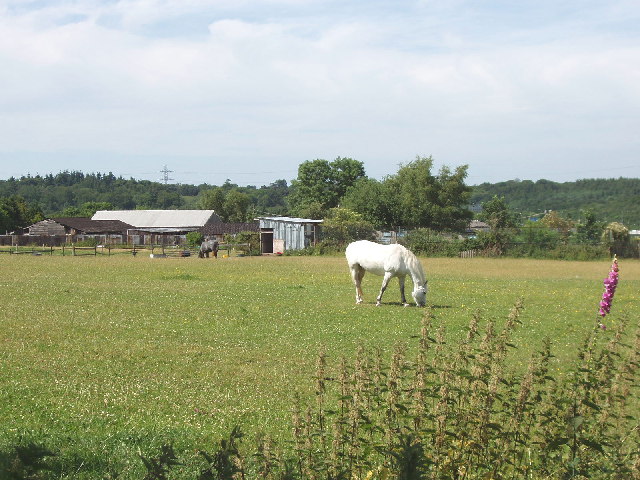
[247, 90]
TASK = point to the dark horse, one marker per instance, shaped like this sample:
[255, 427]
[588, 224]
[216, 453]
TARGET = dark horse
[208, 246]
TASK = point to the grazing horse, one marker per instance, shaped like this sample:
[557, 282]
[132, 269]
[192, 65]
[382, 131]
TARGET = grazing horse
[208, 246]
[389, 261]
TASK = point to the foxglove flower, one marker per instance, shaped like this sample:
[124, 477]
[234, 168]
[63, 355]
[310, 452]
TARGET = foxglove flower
[610, 284]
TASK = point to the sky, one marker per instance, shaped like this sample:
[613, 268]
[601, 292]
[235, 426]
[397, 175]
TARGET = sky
[247, 90]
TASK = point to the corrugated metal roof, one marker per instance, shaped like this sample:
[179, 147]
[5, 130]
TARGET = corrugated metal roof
[290, 219]
[157, 218]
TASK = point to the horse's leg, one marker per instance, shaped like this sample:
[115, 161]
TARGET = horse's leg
[357, 273]
[402, 297]
[385, 282]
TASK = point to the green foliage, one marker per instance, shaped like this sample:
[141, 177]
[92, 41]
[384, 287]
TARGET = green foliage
[16, 212]
[343, 226]
[421, 199]
[424, 241]
[616, 237]
[77, 194]
[226, 463]
[230, 204]
[321, 184]
[496, 214]
[414, 198]
[194, 239]
[252, 238]
[372, 200]
[88, 242]
[589, 231]
[609, 199]
[88, 209]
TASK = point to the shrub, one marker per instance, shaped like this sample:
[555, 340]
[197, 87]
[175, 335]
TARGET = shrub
[252, 238]
[87, 242]
[194, 239]
[343, 226]
[424, 241]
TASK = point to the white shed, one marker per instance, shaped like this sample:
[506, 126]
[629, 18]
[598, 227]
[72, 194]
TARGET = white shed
[278, 234]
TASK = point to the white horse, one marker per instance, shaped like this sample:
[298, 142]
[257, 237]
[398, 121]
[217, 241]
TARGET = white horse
[389, 261]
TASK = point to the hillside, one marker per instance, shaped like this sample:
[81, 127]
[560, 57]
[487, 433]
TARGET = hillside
[610, 199]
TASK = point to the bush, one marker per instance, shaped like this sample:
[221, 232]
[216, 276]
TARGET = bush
[424, 241]
[194, 239]
[87, 242]
[343, 226]
[252, 238]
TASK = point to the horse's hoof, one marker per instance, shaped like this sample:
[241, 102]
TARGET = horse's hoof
[405, 304]
[378, 304]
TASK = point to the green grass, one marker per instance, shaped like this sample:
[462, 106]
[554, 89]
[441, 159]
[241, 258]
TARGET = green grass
[106, 357]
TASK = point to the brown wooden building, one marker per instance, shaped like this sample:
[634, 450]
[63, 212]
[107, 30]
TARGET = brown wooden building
[54, 231]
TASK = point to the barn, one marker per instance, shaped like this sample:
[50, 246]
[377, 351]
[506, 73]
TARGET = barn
[74, 229]
[164, 227]
[279, 234]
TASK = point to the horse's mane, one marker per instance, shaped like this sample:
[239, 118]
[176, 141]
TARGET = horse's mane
[415, 267]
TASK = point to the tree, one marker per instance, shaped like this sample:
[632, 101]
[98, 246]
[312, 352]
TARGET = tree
[343, 226]
[323, 183]
[213, 199]
[88, 209]
[556, 222]
[616, 237]
[372, 200]
[420, 199]
[590, 231]
[236, 205]
[497, 215]
[16, 213]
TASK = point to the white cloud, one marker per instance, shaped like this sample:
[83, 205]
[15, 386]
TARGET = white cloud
[286, 81]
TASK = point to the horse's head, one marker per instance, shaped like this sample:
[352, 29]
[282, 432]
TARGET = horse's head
[420, 295]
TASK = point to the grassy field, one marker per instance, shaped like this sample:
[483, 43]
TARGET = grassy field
[104, 358]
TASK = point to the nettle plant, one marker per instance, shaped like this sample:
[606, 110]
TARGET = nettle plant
[461, 413]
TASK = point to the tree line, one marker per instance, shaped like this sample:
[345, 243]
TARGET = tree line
[610, 200]
[340, 191]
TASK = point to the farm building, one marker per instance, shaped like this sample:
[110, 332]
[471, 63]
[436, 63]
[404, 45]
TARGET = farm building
[160, 226]
[74, 229]
[476, 226]
[278, 234]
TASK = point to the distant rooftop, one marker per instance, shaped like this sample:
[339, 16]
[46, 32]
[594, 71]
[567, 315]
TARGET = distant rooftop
[173, 219]
[290, 219]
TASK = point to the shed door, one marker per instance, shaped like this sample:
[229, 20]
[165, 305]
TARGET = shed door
[266, 241]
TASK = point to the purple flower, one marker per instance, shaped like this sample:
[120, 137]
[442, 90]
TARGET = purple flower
[610, 284]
